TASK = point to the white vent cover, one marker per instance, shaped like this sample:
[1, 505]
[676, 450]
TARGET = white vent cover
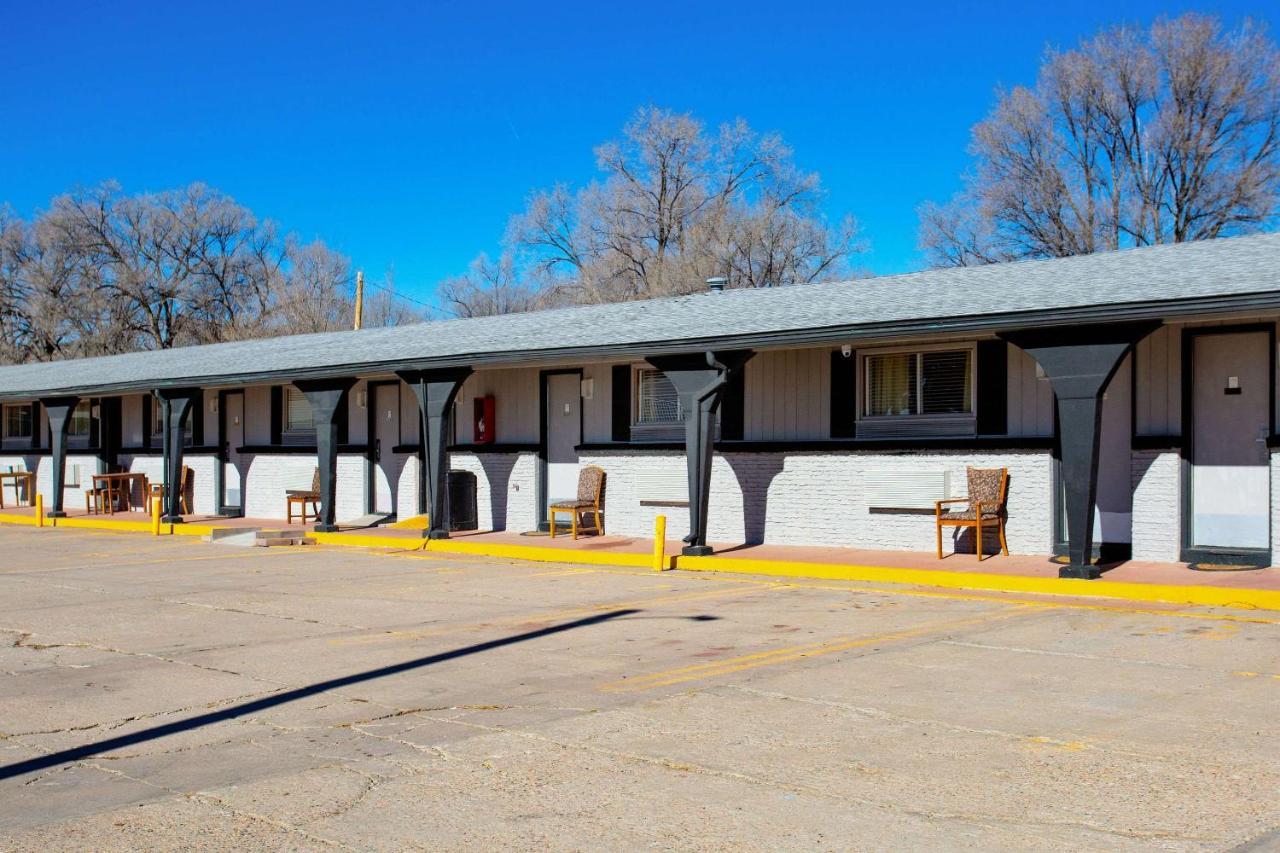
[661, 481]
[906, 489]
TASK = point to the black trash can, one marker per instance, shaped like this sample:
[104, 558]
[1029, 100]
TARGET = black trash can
[463, 514]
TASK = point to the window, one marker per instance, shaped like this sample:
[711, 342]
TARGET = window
[157, 420]
[80, 420]
[924, 386]
[297, 412]
[657, 403]
[17, 421]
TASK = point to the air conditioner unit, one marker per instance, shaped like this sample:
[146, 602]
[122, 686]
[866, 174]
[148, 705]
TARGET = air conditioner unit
[906, 489]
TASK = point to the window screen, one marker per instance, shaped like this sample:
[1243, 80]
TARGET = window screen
[944, 383]
[656, 399]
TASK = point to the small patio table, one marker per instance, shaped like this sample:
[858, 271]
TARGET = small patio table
[19, 478]
[120, 485]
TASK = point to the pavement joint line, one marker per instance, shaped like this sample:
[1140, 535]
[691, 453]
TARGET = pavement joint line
[893, 806]
[889, 716]
[786, 654]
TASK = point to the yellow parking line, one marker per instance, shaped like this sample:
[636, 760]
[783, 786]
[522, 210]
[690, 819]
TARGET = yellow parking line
[771, 657]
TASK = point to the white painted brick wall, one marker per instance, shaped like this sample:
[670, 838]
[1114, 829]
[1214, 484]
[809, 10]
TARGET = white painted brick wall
[203, 493]
[1275, 509]
[506, 489]
[73, 492]
[270, 475]
[818, 498]
[1157, 507]
[407, 486]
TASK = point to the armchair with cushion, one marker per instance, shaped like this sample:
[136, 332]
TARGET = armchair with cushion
[984, 506]
[590, 502]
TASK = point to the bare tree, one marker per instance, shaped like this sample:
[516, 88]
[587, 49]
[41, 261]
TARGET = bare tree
[101, 272]
[489, 288]
[1134, 138]
[674, 205]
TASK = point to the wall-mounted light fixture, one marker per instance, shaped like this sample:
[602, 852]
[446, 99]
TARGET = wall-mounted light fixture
[213, 405]
[588, 389]
[362, 398]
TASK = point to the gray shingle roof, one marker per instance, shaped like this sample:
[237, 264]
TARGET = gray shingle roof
[1162, 281]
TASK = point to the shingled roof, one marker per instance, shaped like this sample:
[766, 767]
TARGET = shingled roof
[1240, 273]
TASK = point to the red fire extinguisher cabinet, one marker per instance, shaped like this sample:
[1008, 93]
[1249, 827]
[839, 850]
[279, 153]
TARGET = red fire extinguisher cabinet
[484, 419]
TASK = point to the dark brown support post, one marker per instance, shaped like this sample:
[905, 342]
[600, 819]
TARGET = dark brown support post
[176, 405]
[59, 410]
[1080, 362]
[327, 398]
[700, 380]
[436, 390]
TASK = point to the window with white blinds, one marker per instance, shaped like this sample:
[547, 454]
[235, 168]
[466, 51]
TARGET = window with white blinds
[921, 384]
[297, 412]
[656, 400]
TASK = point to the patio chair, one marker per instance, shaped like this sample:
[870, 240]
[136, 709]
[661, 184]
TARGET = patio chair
[988, 491]
[156, 492]
[95, 499]
[301, 498]
[590, 501]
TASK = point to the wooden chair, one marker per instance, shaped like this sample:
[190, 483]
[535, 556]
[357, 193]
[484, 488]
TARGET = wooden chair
[95, 499]
[988, 491]
[156, 492]
[301, 498]
[590, 501]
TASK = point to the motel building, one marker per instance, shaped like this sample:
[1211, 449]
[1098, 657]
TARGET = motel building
[1130, 396]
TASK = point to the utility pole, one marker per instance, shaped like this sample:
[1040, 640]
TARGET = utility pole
[359, 299]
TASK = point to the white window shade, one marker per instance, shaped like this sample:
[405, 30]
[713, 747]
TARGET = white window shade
[297, 416]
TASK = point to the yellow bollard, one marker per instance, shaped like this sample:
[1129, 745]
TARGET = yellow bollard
[155, 517]
[659, 543]
[39, 510]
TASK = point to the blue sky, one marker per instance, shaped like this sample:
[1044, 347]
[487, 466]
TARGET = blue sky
[406, 134]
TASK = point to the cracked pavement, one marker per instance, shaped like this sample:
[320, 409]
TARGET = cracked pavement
[167, 694]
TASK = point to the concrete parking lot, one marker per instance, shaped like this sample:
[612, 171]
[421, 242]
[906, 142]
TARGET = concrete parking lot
[169, 694]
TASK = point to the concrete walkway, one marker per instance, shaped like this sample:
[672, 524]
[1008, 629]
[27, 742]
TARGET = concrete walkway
[160, 693]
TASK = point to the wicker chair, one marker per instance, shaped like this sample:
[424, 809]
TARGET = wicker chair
[302, 498]
[156, 492]
[988, 490]
[590, 501]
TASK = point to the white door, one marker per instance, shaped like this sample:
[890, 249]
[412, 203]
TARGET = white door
[1230, 494]
[564, 434]
[386, 431]
[232, 486]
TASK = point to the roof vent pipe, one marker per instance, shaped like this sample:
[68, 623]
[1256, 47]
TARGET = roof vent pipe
[716, 283]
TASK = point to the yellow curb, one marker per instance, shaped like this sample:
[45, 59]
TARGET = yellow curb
[364, 540]
[1205, 596]
[539, 554]
[114, 524]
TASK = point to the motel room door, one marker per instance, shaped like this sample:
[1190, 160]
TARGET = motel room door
[232, 497]
[1229, 482]
[563, 435]
[386, 435]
